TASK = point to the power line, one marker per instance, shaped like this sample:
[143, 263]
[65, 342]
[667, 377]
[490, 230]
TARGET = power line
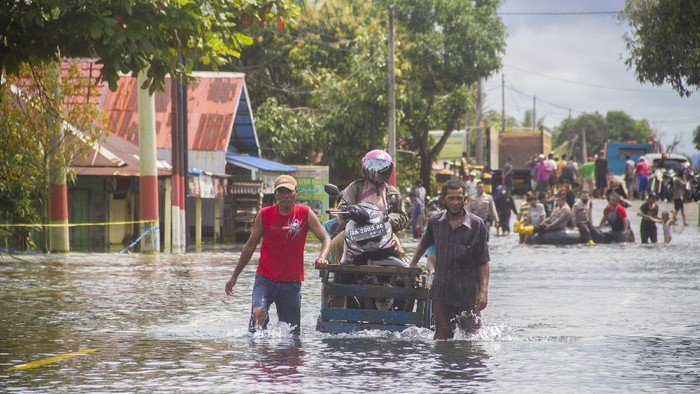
[592, 85]
[564, 13]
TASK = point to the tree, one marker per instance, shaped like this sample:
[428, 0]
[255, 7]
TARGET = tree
[445, 47]
[164, 37]
[320, 89]
[328, 78]
[664, 44]
[621, 127]
[129, 36]
[696, 137]
[30, 103]
[615, 126]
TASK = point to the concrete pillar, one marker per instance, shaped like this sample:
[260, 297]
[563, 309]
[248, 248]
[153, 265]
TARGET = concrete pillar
[148, 180]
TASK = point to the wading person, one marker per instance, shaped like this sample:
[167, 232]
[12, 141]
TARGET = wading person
[282, 228]
[616, 216]
[678, 191]
[649, 212]
[460, 284]
[582, 212]
[482, 205]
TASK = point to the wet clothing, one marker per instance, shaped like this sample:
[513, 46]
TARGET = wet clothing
[285, 295]
[504, 206]
[616, 218]
[281, 265]
[647, 228]
[282, 250]
[583, 218]
[459, 253]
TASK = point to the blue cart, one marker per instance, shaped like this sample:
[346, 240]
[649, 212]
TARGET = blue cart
[362, 297]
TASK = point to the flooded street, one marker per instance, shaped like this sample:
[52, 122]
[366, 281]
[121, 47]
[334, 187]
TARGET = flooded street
[608, 318]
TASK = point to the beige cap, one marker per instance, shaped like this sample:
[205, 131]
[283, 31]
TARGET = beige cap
[285, 181]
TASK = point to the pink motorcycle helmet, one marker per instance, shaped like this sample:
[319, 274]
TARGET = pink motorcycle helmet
[377, 166]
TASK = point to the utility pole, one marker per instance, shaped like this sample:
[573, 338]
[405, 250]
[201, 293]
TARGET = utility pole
[534, 112]
[503, 103]
[479, 145]
[392, 95]
[583, 146]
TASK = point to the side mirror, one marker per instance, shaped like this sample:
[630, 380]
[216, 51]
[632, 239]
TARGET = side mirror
[331, 189]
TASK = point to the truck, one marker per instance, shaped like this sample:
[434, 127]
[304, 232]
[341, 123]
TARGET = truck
[615, 152]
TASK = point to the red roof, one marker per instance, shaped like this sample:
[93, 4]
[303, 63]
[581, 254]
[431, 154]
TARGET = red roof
[212, 101]
[115, 157]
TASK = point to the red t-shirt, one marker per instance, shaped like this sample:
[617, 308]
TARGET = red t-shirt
[284, 238]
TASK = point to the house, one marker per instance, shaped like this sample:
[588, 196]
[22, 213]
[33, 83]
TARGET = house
[222, 151]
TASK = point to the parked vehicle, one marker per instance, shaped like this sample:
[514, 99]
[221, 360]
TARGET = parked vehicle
[663, 168]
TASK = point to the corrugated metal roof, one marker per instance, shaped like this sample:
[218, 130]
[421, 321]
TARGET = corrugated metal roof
[258, 163]
[212, 103]
[115, 156]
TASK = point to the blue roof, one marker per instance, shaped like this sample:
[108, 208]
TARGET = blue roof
[258, 163]
[243, 137]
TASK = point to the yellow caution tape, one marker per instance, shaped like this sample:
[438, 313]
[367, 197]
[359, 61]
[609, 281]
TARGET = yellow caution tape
[77, 224]
[51, 360]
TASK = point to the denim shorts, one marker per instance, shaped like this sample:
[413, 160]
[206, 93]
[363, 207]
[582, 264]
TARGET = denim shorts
[285, 295]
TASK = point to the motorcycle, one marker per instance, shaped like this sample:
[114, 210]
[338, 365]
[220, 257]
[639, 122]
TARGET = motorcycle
[661, 182]
[368, 240]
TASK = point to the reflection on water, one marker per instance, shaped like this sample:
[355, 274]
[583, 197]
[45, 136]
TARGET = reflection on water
[610, 318]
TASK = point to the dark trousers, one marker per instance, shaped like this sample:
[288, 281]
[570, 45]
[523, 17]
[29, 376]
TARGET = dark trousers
[648, 232]
[589, 232]
[448, 317]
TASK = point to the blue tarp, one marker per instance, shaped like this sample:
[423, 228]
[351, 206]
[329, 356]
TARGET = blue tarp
[258, 163]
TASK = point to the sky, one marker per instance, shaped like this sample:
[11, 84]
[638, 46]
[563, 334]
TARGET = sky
[576, 63]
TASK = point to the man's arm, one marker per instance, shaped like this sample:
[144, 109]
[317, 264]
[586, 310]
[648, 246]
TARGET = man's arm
[482, 297]
[317, 228]
[425, 241]
[255, 235]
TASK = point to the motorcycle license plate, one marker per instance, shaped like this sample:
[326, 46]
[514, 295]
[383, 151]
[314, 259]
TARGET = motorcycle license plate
[366, 232]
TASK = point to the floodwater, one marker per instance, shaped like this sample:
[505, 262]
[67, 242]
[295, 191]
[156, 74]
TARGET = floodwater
[607, 318]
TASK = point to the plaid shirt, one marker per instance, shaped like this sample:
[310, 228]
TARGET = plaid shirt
[458, 252]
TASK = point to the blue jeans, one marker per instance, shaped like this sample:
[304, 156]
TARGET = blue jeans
[285, 295]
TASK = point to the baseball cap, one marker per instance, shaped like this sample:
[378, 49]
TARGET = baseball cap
[285, 181]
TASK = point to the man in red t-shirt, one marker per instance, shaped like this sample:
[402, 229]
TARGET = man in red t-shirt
[282, 228]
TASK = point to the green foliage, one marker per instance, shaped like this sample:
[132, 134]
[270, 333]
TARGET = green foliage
[696, 137]
[664, 44]
[33, 104]
[166, 37]
[615, 126]
[332, 71]
[444, 48]
[327, 79]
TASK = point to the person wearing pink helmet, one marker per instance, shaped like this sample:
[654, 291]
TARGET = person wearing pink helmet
[377, 167]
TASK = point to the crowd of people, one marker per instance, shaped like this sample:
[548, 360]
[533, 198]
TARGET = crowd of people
[453, 232]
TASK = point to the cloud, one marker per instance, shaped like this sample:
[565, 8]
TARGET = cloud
[576, 62]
